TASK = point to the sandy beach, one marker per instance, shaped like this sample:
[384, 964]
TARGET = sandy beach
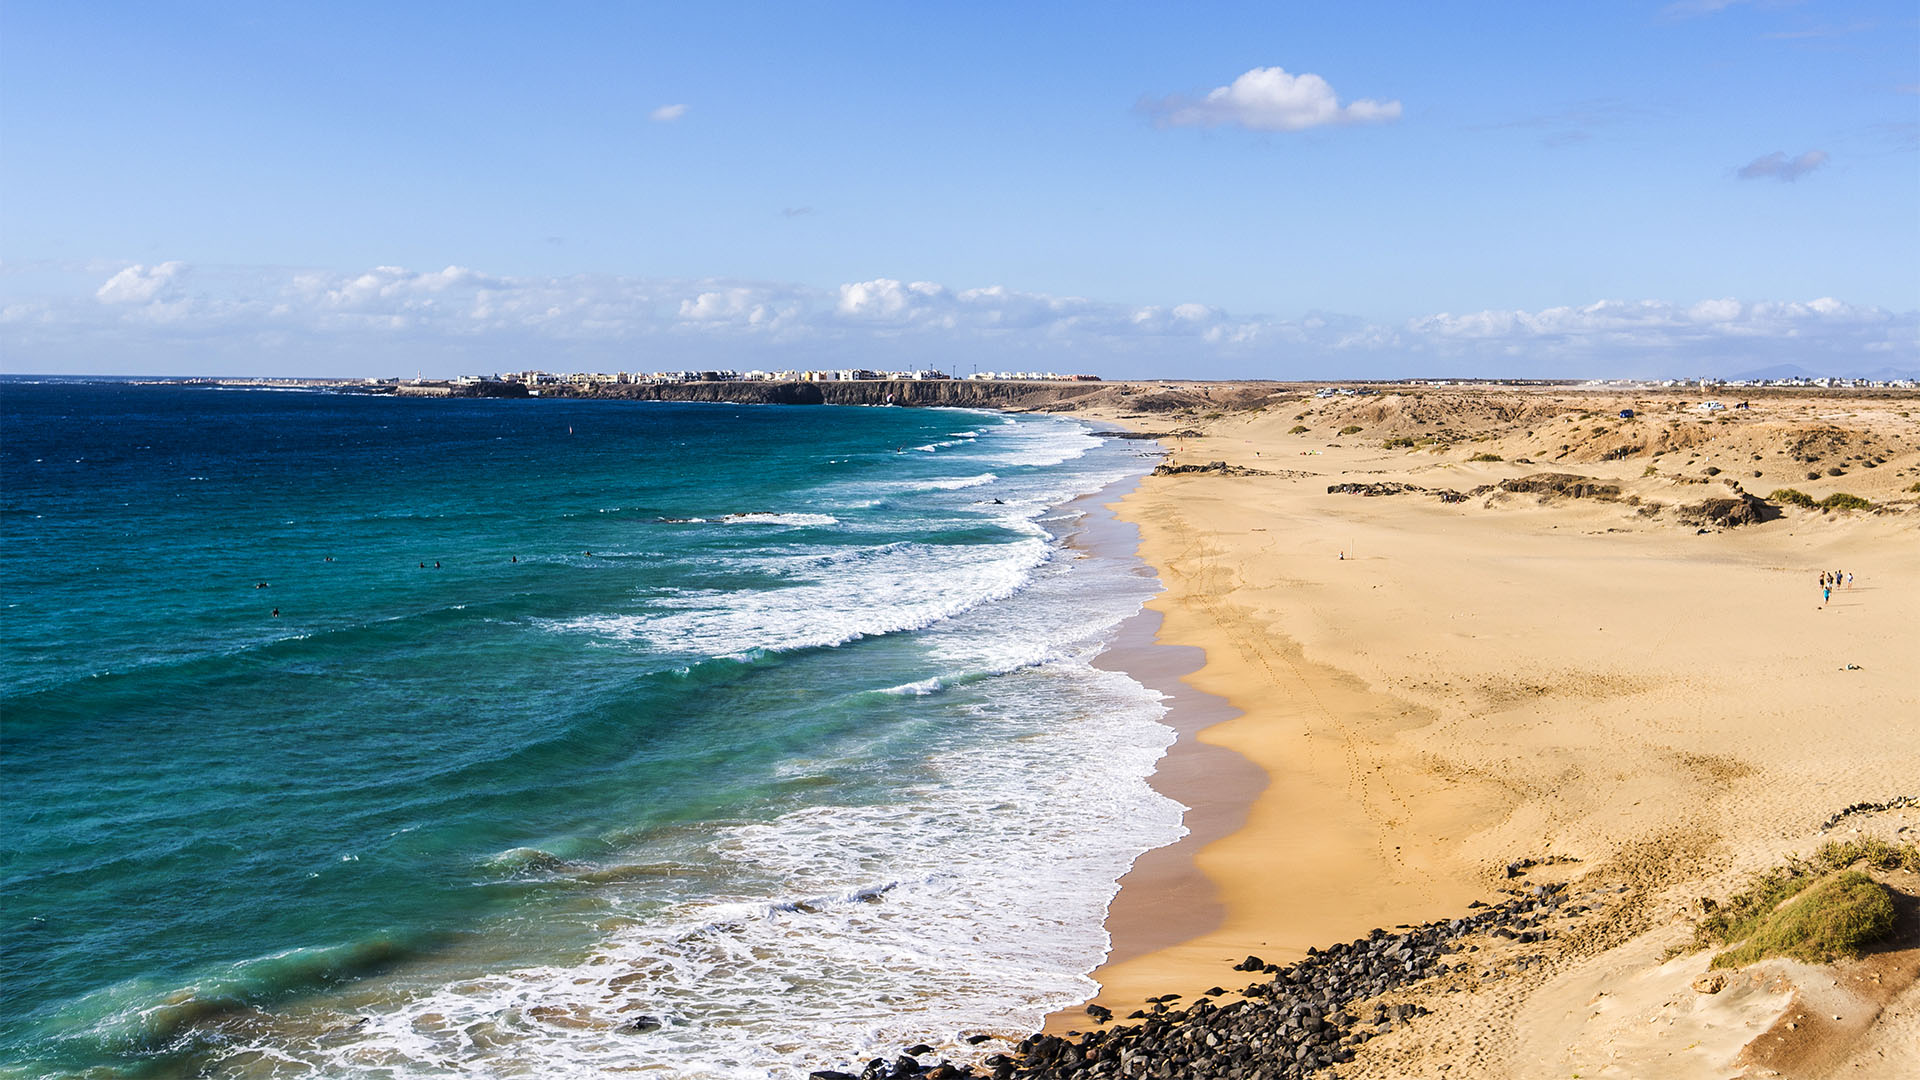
[1606, 678]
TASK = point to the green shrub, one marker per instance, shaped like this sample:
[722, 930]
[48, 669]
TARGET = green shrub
[1297, 429]
[1398, 442]
[1915, 487]
[1875, 852]
[1840, 500]
[1651, 470]
[1746, 914]
[1486, 457]
[1793, 497]
[1830, 919]
[1350, 429]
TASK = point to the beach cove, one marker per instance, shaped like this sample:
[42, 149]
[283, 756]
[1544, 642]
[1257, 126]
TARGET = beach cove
[1476, 693]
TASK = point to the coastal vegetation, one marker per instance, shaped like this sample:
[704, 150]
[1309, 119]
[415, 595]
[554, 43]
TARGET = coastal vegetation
[1839, 500]
[1486, 457]
[1834, 918]
[1813, 909]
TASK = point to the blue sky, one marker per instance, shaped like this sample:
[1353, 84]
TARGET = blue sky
[1264, 190]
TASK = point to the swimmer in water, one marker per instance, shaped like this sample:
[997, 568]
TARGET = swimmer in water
[276, 611]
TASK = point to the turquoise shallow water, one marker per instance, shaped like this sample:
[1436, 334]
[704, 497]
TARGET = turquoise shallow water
[770, 725]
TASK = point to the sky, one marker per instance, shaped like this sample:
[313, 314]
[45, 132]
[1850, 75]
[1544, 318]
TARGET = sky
[1274, 190]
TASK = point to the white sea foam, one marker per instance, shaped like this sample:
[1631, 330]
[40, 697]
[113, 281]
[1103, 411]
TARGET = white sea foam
[880, 936]
[780, 519]
[835, 598]
[1037, 444]
[956, 483]
[970, 900]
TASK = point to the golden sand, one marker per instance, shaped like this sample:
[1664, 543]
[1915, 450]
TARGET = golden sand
[1434, 689]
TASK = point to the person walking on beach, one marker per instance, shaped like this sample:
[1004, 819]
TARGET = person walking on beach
[1849, 579]
[1826, 594]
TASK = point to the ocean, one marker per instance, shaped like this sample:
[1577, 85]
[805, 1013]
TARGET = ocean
[347, 735]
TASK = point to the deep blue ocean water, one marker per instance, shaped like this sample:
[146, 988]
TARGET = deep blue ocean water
[588, 736]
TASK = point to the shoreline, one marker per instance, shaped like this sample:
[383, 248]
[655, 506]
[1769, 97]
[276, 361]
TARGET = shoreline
[1186, 912]
[1164, 898]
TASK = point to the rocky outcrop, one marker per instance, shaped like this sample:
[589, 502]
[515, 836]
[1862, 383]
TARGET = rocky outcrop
[1297, 1020]
[1221, 467]
[1743, 509]
[489, 388]
[1565, 485]
[1387, 487]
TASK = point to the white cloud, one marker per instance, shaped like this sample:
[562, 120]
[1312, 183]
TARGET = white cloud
[1270, 99]
[1778, 166]
[887, 300]
[140, 284]
[1715, 311]
[389, 319]
[719, 304]
[667, 114]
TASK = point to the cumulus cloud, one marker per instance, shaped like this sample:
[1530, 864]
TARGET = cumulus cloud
[1778, 166]
[737, 305]
[1270, 99]
[667, 114]
[140, 284]
[887, 300]
[389, 319]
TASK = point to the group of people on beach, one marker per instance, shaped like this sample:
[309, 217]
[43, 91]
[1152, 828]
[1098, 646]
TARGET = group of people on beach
[1831, 580]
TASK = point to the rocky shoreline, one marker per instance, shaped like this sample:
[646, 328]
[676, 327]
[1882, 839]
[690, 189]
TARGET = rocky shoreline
[1304, 1017]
